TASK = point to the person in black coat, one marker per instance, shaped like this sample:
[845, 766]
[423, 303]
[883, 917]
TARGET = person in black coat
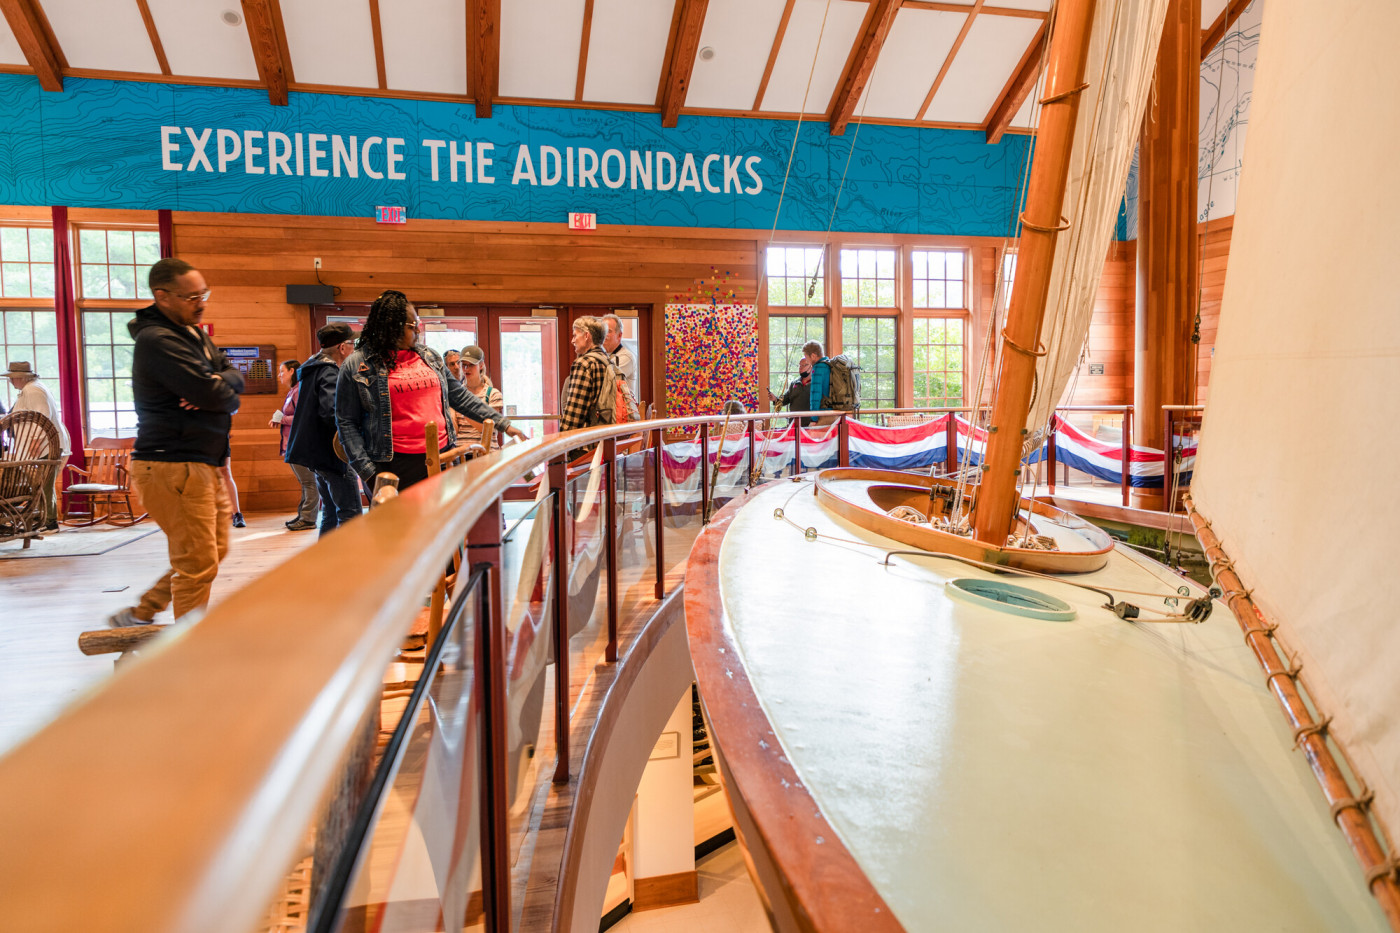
[312, 440]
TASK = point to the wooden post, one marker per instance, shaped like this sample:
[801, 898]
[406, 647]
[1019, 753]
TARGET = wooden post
[1167, 250]
[704, 479]
[796, 446]
[1050, 456]
[563, 561]
[998, 497]
[950, 433]
[753, 467]
[843, 442]
[1126, 463]
[610, 533]
[659, 510]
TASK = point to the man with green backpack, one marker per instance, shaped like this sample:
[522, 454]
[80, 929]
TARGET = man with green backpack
[835, 381]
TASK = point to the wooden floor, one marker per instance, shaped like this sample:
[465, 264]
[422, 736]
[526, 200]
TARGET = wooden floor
[46, 602]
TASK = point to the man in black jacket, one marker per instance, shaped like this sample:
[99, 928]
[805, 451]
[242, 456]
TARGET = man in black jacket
[185, 392]
[312, 441]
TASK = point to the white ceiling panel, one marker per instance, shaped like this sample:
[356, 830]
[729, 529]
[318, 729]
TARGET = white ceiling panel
[425, 45]
[331, 42]
[1210, 9]
[914, 51]
[10, 53]
[741, 32]
[197, 42]
[788, 83]
[985, 61]
[626, 46]
[1041, 5]
[105, 36]
[539, 48]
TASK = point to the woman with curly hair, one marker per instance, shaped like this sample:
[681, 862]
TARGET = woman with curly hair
[390, 388]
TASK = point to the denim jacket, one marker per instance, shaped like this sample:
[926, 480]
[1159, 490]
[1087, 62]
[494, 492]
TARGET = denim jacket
[363, 416]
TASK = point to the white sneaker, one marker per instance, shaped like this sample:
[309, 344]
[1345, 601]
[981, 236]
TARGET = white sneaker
[124, 618]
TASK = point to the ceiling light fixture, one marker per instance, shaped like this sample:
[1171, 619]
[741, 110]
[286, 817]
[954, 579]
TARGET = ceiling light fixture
[231, 18]
[707, 53]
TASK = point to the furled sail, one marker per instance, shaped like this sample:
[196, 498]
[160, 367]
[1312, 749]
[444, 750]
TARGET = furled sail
[1309, 335]
[1122, 60]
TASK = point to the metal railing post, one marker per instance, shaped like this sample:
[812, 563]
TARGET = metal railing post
[563, 563]
[659, 511]
[704, 467]
[610, 532]
[1127, 451]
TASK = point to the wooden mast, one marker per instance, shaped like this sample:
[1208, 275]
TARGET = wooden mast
[1041, 224]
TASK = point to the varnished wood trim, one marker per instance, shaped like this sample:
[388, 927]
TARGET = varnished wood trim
[151, 31]
[681, 62]
[377, 34]
[484, 53]
[259, 18]
[35, 41]
[149, 78]
[963, 8]
[683, 887]
[972, 12]
[1017, 88]
[279, 27]
[388, 93]
[773, 54]
[1222, 24]
[823, 884]
[671, 33]
[880, 19]
[583, 49]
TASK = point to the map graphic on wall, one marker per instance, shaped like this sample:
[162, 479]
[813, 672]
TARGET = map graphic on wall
[1227, 88]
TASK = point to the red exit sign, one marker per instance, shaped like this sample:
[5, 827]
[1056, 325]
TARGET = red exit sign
[583, 221]
[390, 215]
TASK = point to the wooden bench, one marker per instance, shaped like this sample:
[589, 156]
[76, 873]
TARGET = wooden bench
[106, 483]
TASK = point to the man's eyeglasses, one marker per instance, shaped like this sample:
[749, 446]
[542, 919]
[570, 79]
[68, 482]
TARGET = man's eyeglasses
[197, 296]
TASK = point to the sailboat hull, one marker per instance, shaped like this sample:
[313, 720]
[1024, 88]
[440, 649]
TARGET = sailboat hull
[864, 497]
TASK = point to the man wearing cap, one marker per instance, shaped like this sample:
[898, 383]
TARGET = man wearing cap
[473, 367]
[186, 393]
[312, 441]
[35, 396]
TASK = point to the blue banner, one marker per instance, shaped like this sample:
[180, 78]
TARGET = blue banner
[123, 144]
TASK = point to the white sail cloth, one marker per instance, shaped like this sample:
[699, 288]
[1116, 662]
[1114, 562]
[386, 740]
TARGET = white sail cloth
[1122, 60]
[1310, 336]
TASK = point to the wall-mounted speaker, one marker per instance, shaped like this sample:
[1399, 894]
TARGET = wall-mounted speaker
[310, 294]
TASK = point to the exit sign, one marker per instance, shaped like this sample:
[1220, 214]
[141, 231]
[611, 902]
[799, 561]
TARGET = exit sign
[583, 221]
[390, 215]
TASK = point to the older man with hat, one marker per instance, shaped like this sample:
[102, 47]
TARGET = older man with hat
[312, 440]
[35, 396]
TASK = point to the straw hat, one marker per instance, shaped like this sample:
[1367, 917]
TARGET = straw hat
[22, 369]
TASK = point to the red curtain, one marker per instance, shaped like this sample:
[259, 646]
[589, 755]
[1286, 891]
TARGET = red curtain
[69, 339]
[167, 235]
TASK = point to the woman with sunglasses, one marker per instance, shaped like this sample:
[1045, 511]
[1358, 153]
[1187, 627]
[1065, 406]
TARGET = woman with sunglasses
[390, 388]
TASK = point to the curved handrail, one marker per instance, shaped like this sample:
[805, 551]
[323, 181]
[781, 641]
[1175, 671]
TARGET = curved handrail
[180, 789]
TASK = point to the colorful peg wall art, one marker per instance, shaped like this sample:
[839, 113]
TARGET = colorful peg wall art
[711, 356]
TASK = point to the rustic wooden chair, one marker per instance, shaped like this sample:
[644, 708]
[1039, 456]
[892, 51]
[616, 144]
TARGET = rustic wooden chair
[106, 483]
[30, 455]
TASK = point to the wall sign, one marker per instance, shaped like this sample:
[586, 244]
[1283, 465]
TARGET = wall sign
[583, 221]
[138, 145]
[390, 215]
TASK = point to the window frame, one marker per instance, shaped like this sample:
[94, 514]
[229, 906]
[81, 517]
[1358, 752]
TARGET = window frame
[895, 279]
[965, 320]
[779, 381]
[887, 314]
[824, 266]
[966, 305]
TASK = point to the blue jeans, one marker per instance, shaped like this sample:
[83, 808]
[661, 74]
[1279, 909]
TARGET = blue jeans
[340, 498]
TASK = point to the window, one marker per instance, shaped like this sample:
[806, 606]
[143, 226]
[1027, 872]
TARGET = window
[26, 262]
[796, 277]
[938, 362]
[30, 335]
[869, 342]
[1008, 276]
[114, 263]
[786, 335]
[939, 278]
[867, 278]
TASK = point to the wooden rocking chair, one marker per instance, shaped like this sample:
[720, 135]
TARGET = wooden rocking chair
[30, 455]
[106, 483]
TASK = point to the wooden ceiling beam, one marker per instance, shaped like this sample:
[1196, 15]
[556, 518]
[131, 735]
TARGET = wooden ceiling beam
[681, 62]
[1014, 94]
[484, 53]
[376, 30]
[156, 45]
[263, 24]
[37, 44]
[773, 53]
[867, 53]
[1212, 36]
[971, 12]
[584, 39]
[988, 10]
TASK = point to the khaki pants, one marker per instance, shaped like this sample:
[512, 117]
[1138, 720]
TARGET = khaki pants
[190, 504]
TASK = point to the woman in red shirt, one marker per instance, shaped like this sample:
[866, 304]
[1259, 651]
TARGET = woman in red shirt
[388, 391]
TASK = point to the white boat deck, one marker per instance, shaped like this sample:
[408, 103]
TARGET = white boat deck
[993, 772]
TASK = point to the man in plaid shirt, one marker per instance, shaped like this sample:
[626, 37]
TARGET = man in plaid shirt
[587, 376]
